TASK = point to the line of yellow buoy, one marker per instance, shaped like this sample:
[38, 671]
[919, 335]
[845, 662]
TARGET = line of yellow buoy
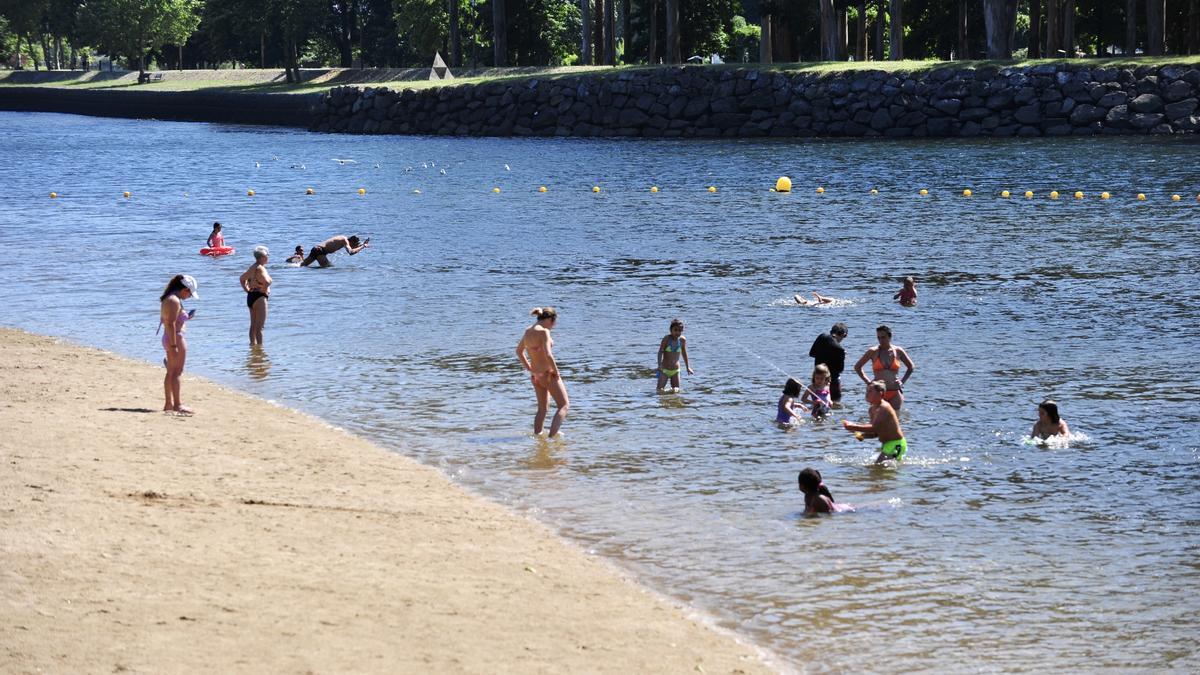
[784, 184]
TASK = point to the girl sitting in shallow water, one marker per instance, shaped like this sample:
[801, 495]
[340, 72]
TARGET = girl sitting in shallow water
[817, 498]
[1049, 423]
[785, 412]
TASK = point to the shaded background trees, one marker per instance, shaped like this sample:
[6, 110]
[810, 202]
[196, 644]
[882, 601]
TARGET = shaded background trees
[57, 34]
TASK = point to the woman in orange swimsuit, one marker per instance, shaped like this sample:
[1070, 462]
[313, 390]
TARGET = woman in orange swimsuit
[534, 353]
[885, 359]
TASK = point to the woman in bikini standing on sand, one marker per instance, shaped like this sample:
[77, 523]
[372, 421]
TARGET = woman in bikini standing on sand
[885, 359]
[534, 351]
[172, 318]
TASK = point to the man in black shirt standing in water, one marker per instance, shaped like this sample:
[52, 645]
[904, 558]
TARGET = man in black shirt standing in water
[828, 349]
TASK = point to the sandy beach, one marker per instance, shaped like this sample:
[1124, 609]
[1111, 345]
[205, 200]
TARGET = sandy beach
[252, 538]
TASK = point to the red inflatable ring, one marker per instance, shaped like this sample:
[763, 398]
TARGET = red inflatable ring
[217, 251]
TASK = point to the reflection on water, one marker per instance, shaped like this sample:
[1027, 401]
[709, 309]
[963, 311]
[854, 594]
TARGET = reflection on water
[978, 553]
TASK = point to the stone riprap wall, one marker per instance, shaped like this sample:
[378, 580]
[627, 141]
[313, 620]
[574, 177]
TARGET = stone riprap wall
[1043, 100]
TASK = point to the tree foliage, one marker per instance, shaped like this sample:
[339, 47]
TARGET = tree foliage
[133, 28]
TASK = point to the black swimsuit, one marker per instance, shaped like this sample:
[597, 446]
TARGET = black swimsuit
[253, 296]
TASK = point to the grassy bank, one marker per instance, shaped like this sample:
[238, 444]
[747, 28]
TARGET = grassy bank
[272, 81]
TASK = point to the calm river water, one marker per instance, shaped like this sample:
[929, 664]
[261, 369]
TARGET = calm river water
[979, 553]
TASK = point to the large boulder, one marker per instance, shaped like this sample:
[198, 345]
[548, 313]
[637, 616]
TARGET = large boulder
[1146, 103]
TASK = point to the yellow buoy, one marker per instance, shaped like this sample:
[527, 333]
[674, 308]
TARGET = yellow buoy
[53, 195]
[1005, 194]
[1054, 194]
[249, 193]
[1078, 195]
[820, 190]
[125, 194]
[1175, 198]
[874, 191]
[496, 190]
[1141, 197]
[712, 188]
[1104, 195]
[654, 188]
[542, 188]
[595, 188]
[924, 192]
[1029, 194]
[362, 191]
[783, 184]
[309, 191]
[966, 193]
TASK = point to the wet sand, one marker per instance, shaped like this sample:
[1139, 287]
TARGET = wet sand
[252, 538]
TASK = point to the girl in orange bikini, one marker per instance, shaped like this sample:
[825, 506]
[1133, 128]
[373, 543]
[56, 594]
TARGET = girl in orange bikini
[885, 359]
[534, 353]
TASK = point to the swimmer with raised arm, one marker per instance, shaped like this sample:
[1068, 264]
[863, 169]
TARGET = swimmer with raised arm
[1049, 423]
[321, 252]
[534, 352]
[884, 425]
[672, 346]
[886, 359]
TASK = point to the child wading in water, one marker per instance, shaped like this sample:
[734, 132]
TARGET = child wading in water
[817, 394]
[907, 295]
[884, 425]
[216, 239]
[817, 498]
[670, 349]
[785, 411]
[1049, 423]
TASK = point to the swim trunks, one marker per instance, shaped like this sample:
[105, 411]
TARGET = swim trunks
[253, 296]
[894, 449]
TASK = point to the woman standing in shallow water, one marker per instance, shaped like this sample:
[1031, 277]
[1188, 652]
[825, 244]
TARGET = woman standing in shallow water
[173, 320]
[534, 352]
[256, 282]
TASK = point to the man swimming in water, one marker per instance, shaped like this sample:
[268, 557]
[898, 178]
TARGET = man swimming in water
[321, 251]
[884, 425]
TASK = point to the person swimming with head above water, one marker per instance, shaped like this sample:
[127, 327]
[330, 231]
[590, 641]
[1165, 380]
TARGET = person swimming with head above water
[670, 349]
[884, 425]
[817, 498]
[297, 256]
[885, 359]
[785, 409]
[908, 294]
[1049, 423]
[321, 252]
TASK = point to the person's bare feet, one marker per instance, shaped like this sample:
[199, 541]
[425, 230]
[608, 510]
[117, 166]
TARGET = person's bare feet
[184, 410]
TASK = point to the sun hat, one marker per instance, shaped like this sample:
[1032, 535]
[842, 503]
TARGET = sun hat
[189, 282]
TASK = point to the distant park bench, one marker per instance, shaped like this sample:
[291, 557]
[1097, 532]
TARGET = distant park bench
[150, 77]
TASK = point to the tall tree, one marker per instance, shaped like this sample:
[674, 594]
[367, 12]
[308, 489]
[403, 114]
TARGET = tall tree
[860, 41]
[999, 18]
[829, 30]
[585, 13]
[1068, 28]
[499, 34]
[455, 36]
[652, 33]
[1053, 28]
[1131, 27]
[896, 23]
[1155, 28]
[766, 38]
[135, 27]
[1035, 29]
[24, 19]
[598, 25]
[610, 39]
[880, 13]
[961, 47]
[673, 45]
[626, 30]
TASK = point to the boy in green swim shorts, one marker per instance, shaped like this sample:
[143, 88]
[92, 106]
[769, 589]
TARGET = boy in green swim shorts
[884, 425]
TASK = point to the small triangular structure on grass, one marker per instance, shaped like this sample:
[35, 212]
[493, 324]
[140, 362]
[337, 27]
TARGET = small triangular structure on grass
[440, 71]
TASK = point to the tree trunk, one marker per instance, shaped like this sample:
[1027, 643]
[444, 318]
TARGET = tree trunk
[765, 48]
[610, 39]
[1068, 26]
[673, 32]
[455, 35]
[1194, 27]
[585, 13]
[843, 33]
[999, 27]
[74, 57]
[828, 28]
[1053, 31]
[346, 37]
[896, 23]
[878, 46]
[626, 30]
[1131, 27]
[860, 40]
[598, 32]
[652, 46]
[1035, 29]
[1155, 30]
[499, 34]
[961, 46]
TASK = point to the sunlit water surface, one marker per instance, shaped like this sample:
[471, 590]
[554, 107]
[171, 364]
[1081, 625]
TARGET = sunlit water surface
[980, 553]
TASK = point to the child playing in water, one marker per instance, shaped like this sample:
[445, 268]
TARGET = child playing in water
[670, 349]
[884, 425]
[818, 300]
[907, 295]
[216, 239]
[785, 412]
[297, 257]
[817, 394]
[817, 498]
[1049, 423]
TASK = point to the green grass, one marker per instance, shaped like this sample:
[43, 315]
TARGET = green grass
[252, 81]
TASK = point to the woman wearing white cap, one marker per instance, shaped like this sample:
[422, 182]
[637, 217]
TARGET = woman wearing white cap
[257, 284]
[172, 319]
